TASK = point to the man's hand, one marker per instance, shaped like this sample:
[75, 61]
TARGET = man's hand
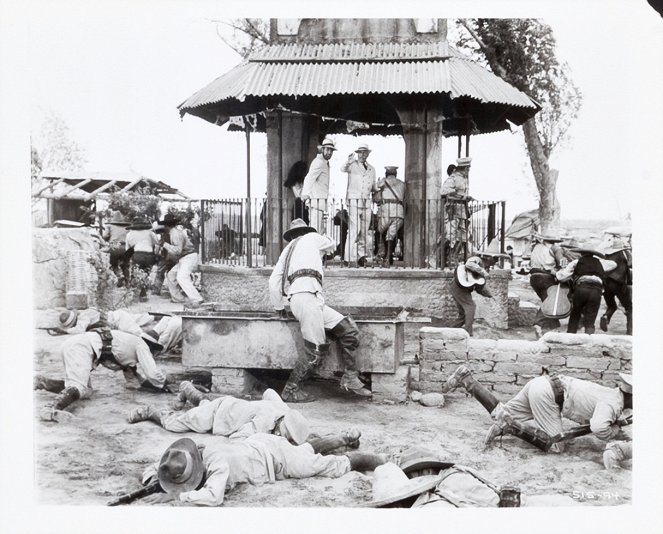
[563, 263]
[161, 498]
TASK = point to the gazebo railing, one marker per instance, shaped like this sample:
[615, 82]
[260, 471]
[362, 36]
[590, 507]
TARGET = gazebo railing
[240, 231]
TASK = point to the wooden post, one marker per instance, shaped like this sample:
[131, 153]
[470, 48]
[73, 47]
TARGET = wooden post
[249, 252]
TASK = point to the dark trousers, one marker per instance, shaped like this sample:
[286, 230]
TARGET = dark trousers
[118, 262]
[586, 302]
[143, 261]
[622, 292]
[466, 308]
[163, 266]
[540, 283]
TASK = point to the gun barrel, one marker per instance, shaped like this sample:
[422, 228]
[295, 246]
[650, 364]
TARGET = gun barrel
[137, 494]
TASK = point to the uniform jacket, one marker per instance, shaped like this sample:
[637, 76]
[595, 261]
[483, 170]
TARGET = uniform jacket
[316, 181]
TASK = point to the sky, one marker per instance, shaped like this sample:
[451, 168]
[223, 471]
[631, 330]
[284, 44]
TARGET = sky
[116, 77]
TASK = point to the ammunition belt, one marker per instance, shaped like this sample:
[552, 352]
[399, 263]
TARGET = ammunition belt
[558, 390]
[302, 273]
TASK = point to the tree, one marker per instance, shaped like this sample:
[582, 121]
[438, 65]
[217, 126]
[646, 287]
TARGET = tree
[53, 147]
[247, 34]
[522, 52]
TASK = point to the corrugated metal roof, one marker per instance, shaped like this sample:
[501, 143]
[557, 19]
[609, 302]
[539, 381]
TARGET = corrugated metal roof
[374, 68]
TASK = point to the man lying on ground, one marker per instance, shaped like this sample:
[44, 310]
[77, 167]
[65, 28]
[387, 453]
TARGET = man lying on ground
[202, 475]
[238, 418]
[548, 398]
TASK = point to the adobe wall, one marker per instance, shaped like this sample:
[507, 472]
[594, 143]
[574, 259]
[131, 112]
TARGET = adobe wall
[505, 365]
[425, 292]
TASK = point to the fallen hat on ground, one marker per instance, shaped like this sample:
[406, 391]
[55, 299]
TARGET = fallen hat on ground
[68, 318]
[181, 467]
[416, 462]
[391, 485]
[297, 228]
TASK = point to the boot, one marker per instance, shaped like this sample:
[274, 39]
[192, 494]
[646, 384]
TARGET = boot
[603, 323]
[365, 461]
[292, 391]
[482, 394]
[346, 333]
[49, 384]
[330, 443]
[629, 323]
[390, 252]
[188, 392]
[64, 399]
[144, 413]
[456, 379]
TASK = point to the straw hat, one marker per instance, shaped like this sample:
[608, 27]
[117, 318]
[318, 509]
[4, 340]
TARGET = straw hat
[626, 383]
[327, 143]
[294, 423]
[297, 228]
[181, 467]
[617, 246]
[363, 147]
[391, 485]
[68, 318]
[587, 249]
[139, 223]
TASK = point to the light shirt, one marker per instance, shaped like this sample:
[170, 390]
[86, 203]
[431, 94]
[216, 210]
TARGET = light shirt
[543, 258]
[141, 240]
[180, 245]
[308, 253]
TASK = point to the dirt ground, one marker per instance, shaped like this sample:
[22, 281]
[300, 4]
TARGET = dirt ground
[95, 455]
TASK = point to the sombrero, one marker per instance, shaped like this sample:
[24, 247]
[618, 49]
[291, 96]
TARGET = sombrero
[139, 223]
[181, 467]
[414, 461]
[294, 422]
[297, 228]
[152, 339]
[391, 486]
[617, 246]
[170, 220]
[548, 237]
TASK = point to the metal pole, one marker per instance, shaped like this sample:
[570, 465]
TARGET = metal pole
[503, 202]
[422, 261]
[203, 244]
[248, 194]
[280, 195]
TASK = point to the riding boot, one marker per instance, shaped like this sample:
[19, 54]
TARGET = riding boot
[481, 393]
[365, 461]
[189, 392]
[390, 252]
[346, 333]
[64, 399]
[313, 353]
[629, 323]
[328, 444]
[49, 384]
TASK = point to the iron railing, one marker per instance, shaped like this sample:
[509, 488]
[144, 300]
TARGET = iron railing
[246, 231]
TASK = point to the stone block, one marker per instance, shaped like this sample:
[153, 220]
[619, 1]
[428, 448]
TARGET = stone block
[492, 378]
[542, 359]
[523, 379]
[232, 381]
[480, 366]
[447, 334]
[506, 389]
[524, 368]
[623, 347]
[627, 366]
[521, 346]
[583, 375]
[431, 376]
[443, 355]
[593, 364]
[614, 365]
[391, 386]
[610, 379]
[559, 338]
[503, 356]
[426, 386]
[430, 365]
[414, 373]
[481, 345]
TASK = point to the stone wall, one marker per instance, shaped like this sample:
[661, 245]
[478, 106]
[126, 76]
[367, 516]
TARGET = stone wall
[506, 365]
[49, 263]
[423, 291]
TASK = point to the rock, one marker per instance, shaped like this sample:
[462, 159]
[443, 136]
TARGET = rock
[415, 396]
[432, 399]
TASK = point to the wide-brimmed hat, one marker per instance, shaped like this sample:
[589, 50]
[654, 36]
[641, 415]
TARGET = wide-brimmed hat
[170, 220]
[68, 318]
[617, 246]
[327, 143]
[587, 249]
[548, 237]
[415, 462]
[622, 231]
[570, 243]
[151, 337]
[181, 467]
[118, 218]
[463, 162]
[296, 425]
[391, 485]
[139, 223]
[626, 383]
[474, 264]
[297, 228]
[363, 147]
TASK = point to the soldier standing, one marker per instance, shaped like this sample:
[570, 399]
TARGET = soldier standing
[388, 194]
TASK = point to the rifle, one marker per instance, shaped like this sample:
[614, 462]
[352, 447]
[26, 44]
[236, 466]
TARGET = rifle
[583, 430]
[152, 487]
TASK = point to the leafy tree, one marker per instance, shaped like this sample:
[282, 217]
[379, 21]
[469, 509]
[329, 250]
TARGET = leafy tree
[522, 52]
[54, 147]
[140, 202]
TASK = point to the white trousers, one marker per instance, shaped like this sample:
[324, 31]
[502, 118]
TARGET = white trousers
[314, 316]
[179, 279]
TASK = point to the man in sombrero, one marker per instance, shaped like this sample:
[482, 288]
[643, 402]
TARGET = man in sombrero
[469, 276]
[546, 259]
[297, 279]
[202, 475]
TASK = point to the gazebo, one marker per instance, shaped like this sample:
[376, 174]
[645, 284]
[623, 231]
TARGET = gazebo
[365, 76]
